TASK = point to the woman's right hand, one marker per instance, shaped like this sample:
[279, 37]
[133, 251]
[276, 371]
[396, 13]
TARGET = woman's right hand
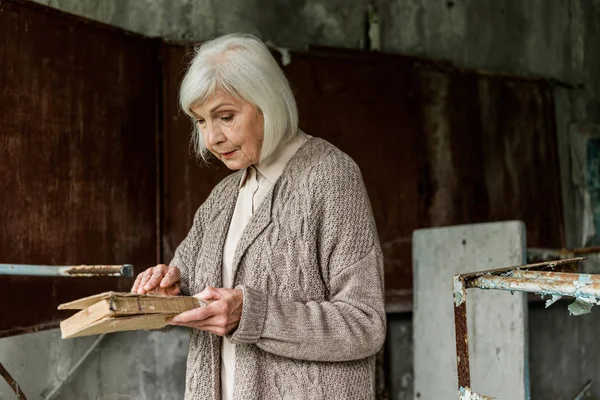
[161, 279]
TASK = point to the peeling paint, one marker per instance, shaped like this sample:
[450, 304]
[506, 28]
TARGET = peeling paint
[459, 291]
[585, 287]
[581, 306]
[583, 280]
[553, 300]
[467, 394]
[373, 28]
[286, 56]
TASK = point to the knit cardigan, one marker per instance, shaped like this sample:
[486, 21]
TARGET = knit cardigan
[310, 266]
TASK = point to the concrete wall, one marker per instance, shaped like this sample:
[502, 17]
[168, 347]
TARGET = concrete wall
[129, 365]
[557, 40]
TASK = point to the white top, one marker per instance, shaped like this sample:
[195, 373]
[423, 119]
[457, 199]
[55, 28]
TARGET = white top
[255, 184]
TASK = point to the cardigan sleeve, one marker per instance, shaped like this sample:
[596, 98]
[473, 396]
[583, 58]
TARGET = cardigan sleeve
[351, 324]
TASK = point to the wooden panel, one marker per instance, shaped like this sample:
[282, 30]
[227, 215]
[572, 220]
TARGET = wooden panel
[77, 144]
[373, 113]
[437, 146]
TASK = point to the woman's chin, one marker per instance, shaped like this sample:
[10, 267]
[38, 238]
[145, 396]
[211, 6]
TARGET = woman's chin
[233, 164]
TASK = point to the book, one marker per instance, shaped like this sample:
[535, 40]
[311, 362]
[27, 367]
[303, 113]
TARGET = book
[110, 312]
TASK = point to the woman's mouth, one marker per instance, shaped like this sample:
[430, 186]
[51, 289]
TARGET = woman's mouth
[228, 155]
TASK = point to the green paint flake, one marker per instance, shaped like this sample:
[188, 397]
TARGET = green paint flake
[580, 307]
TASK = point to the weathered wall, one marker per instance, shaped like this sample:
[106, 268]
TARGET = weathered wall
[564, 351]
[552, 39]
[128, 365]
[285, 22]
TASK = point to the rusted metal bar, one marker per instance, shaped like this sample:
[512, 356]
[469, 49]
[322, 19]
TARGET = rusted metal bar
[536, 254]
[584, 393]
[556, 278]
[567, 265]
[12, 383]
[574, 285]
[125, 270]
[462, 343]
[461, 334]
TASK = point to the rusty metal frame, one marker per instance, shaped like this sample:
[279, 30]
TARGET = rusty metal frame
[12, 383]
[585, 392]
[554, 278]
[537, 254]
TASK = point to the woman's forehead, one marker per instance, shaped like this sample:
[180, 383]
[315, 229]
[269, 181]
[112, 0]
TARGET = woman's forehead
[215, 100]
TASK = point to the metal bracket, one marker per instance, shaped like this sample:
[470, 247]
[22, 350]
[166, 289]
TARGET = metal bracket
[555, 278]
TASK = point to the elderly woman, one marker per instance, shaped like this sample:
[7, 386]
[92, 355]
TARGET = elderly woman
[285, 250]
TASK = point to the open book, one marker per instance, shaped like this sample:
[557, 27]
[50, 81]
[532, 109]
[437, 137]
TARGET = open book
[115, 311]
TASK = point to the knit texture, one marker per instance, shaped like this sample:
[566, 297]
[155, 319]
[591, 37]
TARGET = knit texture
[311, 269]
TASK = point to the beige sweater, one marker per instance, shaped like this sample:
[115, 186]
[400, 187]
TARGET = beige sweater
[311, 269]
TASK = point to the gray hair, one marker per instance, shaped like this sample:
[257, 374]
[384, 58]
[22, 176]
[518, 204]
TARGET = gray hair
[243, 66]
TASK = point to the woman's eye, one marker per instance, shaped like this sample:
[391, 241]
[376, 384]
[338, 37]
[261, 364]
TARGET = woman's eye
[226, 118]
[200, 121]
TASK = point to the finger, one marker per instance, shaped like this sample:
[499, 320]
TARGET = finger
[212, 321]
[216, 329]
[171, 277]
[217, 321]
[173, 290]
[158, 292]
[139, 279]
[157, 275]
[143, 280]
[137, 282]
[145, 277]
[209, 293]
[194, 315]
[220, 330]
[217, 314]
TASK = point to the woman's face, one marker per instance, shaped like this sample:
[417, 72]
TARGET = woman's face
[232, 129]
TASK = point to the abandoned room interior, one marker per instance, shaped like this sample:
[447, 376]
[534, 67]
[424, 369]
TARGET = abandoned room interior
[299, 199]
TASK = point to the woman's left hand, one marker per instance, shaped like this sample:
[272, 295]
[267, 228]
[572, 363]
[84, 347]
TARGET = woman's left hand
[220, 317]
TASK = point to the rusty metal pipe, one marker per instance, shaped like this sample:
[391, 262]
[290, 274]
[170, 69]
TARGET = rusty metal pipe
[575, 285]
[554, 276]
[124, 270]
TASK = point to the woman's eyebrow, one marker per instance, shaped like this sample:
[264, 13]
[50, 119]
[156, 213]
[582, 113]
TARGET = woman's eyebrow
[215, 108]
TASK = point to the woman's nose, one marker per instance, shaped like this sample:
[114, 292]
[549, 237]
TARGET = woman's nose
[213, 134]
